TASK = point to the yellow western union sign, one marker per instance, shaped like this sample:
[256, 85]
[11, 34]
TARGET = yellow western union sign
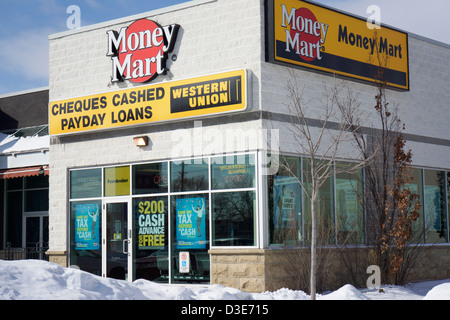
[308, 35]
[196, 97]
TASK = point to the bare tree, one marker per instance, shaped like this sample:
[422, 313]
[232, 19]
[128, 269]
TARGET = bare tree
[320, 140]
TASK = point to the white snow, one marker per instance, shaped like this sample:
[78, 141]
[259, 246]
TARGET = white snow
[12, 144]
[41, 280]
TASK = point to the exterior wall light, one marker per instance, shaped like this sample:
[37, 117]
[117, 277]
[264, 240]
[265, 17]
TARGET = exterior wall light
[140, 141]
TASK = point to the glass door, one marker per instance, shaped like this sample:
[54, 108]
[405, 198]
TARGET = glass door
[36, 237]
[117, 238]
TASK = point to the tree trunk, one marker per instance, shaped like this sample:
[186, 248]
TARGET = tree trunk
[313, 240]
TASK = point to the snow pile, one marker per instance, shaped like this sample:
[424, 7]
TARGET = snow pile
[440, 292]
[347, 292]
[35, 279]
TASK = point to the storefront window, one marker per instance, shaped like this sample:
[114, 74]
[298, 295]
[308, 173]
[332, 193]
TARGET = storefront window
[32, 231]
[85, 230]
[150, 178]
[415, 187]
[169, 236]
[190, 235]
[349, 210]
[36, 200]
[151, 234]
[234, 215]
[448, 196]
[285, 222]
[85, 183]
[435, 217]
[117, 181]
[340, 211]
[189, 175]
[325, 209]
[14, 218]
[14, 184]
[26, 202]
[233, 172]
[2, 215]
[36, 182]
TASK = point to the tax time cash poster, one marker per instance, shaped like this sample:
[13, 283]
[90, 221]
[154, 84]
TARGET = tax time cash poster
[191, 223]
[286, 195]
[87, 229]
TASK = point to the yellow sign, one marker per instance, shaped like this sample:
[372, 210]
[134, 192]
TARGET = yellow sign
[312, 36]
[117, 181]
[202, 96]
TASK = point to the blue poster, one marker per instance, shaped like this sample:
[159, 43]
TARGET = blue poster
[191, 223]
[286, 195]
[87, 229]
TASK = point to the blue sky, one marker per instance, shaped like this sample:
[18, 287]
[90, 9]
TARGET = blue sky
[26, 24]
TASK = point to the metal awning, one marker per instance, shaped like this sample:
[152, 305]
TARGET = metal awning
[24, 172]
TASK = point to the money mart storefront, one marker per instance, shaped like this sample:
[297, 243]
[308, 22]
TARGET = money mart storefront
[161, 127]
[152, 167]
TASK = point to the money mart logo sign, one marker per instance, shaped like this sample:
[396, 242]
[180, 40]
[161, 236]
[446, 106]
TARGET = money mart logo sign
[139, 52]
[304, 34]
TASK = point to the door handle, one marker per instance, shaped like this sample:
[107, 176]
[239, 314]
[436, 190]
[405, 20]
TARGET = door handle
[125, 246]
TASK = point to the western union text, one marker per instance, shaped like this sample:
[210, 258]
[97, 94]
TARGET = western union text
[204, 94]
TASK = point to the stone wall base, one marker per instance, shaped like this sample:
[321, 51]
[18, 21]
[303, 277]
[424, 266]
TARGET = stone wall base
[259, 270]
[243, 269]
[59, 257]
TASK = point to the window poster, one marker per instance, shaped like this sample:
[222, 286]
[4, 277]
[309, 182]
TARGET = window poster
[87, 229]
[432, 207]
[117, 181]
[233, 172]
[151, 219]
[286, 195]
[347, 204]
[190, 223]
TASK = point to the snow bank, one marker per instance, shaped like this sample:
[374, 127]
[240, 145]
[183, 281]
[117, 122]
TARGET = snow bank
[35, 279]
[347, 292]
[440, 292]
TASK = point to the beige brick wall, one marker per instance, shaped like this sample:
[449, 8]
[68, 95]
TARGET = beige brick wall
[243, 269]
